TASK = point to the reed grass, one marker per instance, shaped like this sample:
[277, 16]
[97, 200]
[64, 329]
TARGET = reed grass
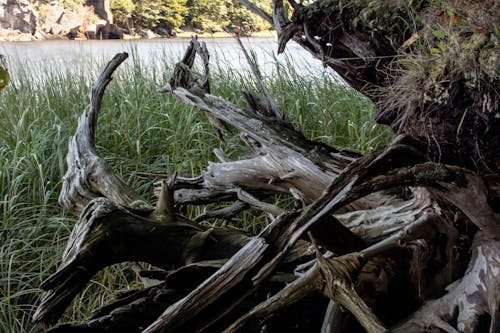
[140, 132]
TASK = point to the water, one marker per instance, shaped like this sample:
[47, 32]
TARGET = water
[74, 57]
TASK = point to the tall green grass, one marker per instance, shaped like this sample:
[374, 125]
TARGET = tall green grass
[140, 132]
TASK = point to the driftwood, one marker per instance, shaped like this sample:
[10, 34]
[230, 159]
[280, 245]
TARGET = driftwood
[387, 241]
[425, 64]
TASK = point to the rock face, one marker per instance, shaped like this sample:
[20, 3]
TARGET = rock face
[18, 15]
[19, 20]
[59, 21]
[102, 9]
[109, 31]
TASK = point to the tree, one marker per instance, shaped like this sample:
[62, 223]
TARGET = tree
[402, 238]
[219, 15]
[168, 14]
[207, 15]
[241, 19]
[122, 11]
[200, 14]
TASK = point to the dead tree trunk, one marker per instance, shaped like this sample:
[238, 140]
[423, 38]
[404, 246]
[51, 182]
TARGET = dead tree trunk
[430, 67]
[401, 242]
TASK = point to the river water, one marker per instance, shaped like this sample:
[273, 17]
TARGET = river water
[70, 56]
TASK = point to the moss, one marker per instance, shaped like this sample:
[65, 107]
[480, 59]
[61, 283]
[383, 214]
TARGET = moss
[452, 51]
[427, 174]
[43, 12]
[490, 64]
[474, 42]
[443, 86]
[431, 66]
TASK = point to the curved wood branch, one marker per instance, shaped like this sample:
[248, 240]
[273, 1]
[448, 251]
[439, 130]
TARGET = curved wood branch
[107, 233]
[257, 10]
[419, 235]
[471, 300]
[292, 293]
[254, 263]
[333, 277]
[89, 176]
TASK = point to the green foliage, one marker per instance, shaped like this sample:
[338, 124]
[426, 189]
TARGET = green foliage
[122, 11]
[241, 18]
[72, 4]
[163, 13]
[4, 73]
[207, 15]
[139, 132]
[218, 15]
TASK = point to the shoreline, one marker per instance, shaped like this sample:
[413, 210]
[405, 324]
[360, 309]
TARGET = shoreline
[223, 34]
[8, 35]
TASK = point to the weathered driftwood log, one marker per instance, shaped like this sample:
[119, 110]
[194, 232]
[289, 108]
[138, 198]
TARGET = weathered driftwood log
[88, 176]
[420, 242]
[136, 231]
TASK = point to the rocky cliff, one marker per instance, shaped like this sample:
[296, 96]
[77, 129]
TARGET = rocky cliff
[22, 20]
[101, 9]
[18, 16]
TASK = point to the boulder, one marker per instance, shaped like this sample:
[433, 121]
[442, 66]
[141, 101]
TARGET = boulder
[101, 9]
[70, 22]
[9, 35]
[147, 34]
[58, 20]
[162, 32]
[18, 15]
[91, 31]
[109, 31]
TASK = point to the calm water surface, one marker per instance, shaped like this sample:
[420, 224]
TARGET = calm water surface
[76, 56]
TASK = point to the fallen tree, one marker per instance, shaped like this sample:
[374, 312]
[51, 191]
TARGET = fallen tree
[399, 240]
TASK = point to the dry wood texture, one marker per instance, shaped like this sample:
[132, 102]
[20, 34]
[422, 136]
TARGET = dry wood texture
[394, 242]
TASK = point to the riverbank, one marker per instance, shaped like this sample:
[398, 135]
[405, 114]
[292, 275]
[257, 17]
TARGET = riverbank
[24, 20]
[9, 35]
[223, 34]
[66, 56]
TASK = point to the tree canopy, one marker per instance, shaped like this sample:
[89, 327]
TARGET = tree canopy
[204, 15]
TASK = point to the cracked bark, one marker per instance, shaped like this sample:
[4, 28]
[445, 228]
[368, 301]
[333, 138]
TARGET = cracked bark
[390, 257]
